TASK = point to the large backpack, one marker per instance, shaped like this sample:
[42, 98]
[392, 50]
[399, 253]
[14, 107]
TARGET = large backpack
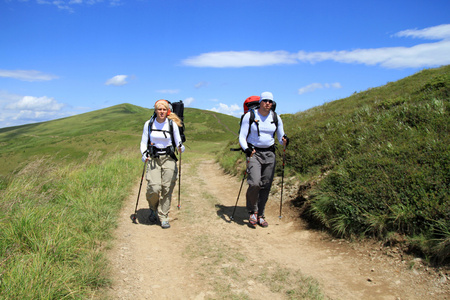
[178, 109]
[250, 105]
[251, 102]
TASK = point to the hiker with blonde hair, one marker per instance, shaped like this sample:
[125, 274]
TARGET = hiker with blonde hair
[160, 139]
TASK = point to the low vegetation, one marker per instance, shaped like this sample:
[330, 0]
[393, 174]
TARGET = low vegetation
[375, 164]
[62, 184]
[55, 220]
[378, 163]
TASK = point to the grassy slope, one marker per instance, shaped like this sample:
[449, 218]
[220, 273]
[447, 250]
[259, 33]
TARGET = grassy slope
[385, 153]
[79, 171]
[376, 163]
[107, 130]
[54, 222]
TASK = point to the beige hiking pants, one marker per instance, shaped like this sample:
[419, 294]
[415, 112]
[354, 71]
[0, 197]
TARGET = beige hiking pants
[161, 177]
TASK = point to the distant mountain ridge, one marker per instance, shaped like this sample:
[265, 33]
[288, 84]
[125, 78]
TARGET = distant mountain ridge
[106, 130]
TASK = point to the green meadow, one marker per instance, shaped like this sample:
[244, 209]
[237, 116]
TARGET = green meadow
[375, 164]
[62, 185]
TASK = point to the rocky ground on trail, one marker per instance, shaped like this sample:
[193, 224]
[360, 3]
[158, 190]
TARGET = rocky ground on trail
[205, 255]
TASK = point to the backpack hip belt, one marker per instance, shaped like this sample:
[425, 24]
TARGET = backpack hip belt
[168, 151]
[270, 148]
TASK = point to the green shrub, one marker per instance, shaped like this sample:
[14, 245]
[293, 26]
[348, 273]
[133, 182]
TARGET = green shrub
[384, 157]
[53, 221]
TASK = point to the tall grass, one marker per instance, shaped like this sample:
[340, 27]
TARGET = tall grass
[54, 222]
[381, 161]
[390, 166]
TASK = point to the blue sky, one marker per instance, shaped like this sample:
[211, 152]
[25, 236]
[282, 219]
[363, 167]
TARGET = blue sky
[61, 58]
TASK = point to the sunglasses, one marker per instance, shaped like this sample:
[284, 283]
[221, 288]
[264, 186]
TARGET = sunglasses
[267, 101]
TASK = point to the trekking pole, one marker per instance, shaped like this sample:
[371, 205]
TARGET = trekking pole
[242, 183]
[139, 193]
[179, 184]
[282, 180]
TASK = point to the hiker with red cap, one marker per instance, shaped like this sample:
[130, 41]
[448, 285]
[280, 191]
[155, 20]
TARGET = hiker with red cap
[160, 139]
[257, 140]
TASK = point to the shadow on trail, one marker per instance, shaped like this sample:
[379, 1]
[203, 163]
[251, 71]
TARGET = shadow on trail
[142, 217]
[240, 215]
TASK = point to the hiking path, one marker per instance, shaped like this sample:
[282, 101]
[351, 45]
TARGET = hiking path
[205, 255]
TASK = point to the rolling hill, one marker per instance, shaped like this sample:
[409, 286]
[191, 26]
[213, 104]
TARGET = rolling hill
[107, 130]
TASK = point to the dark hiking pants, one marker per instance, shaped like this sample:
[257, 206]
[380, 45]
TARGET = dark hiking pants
[260, 170]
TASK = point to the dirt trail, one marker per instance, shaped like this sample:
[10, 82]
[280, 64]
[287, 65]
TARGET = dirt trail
[204, 255]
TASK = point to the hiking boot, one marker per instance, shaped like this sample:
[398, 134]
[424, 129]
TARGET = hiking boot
[262, 222]
[153, 217]
[253, 219]
[165, 224]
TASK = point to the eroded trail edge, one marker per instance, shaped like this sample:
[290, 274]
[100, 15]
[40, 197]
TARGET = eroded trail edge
[205, 255]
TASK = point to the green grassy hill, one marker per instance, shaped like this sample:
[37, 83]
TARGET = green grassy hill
[108, 130]
[384, 156]
[377, 163]
[374, 164]
[62, 184]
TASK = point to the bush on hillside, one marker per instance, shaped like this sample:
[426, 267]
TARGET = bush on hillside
[384, 159]
[391, 170]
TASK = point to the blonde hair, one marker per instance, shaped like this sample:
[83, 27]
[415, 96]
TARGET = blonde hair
[171, 116]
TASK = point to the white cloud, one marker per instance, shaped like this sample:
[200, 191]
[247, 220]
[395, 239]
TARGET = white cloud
[117, 80]
[421, 55]
[188, 101]
[432, 33]
[115, 2]
[168, 91]
[236, 59]
[335, 85]
[19, 110]
[234, 109]
[27, 75]
[310, 88]
[69, 4]
[35, 104]
[201, 84]
[314, 86]
[28, 116]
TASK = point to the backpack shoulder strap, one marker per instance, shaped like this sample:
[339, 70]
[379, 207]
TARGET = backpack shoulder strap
[150, 129]
[150, 124]
[252, 120]
[275, 121]
[171, 133]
